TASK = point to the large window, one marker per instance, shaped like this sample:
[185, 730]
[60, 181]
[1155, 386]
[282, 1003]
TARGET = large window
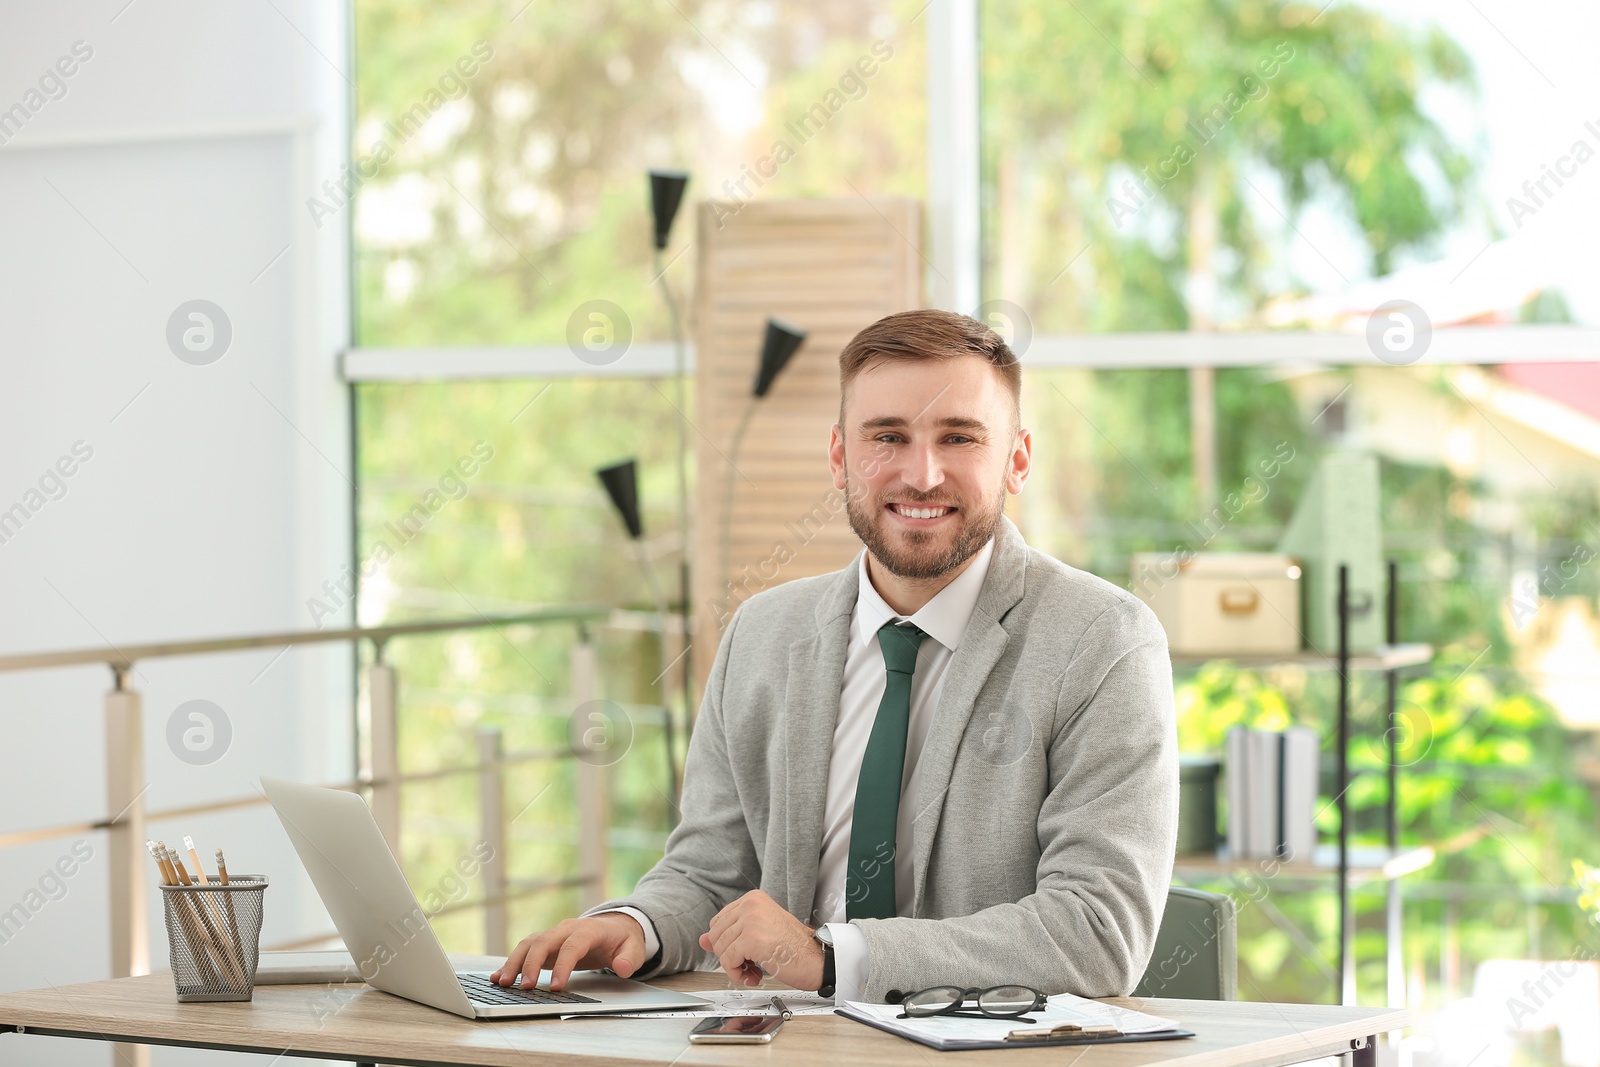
[1196, 176]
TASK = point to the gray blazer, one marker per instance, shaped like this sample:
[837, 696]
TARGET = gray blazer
[1049, 785]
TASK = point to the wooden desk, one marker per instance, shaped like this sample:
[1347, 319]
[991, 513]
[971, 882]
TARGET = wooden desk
[371, 1026]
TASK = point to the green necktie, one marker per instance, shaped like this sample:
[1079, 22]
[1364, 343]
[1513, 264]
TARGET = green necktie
[869, 881]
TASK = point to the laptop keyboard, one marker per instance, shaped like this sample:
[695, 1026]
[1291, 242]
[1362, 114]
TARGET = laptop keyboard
[480, 989]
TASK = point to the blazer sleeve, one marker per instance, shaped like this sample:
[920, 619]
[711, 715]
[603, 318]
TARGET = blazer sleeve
[1107, 832]
[710, 860]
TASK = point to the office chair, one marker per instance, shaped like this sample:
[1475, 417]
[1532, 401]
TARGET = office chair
[1196, 949]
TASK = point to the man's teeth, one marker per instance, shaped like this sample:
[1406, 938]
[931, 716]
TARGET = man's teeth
[920, 513]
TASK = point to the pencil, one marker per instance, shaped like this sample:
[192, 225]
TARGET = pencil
[215, 907]
[167, 877]
[235, 979]
[194, 854]
[233, 918]
[187, 917]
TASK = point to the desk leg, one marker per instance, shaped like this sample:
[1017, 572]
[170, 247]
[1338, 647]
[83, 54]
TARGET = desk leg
[1367, 1054]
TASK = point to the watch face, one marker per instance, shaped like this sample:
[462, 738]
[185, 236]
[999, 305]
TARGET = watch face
[824, 935]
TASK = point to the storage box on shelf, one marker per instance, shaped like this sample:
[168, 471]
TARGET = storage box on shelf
[1226, 603]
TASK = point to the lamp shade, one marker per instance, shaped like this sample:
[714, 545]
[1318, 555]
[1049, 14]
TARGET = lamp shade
[666, 194]
[780, 344]
[622, 485]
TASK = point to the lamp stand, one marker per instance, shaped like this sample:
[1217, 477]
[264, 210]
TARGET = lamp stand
[685, 668]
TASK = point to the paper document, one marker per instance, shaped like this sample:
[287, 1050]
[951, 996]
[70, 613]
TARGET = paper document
[732, 1002]
[956, 1031]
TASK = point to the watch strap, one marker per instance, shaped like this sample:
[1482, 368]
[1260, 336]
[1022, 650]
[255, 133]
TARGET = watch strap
[828, 974]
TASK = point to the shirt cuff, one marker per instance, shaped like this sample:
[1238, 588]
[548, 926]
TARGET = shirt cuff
[849, 961]
[652, 943]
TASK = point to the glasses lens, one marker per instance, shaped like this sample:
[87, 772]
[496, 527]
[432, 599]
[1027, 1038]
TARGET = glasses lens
[932, 1001]
[1007, 999]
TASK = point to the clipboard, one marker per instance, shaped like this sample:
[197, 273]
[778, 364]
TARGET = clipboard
[964, 1046]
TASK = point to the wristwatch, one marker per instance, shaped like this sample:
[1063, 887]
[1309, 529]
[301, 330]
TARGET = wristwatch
[824, 937]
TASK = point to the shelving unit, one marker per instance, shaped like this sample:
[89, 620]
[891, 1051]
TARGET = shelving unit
[1350, 865]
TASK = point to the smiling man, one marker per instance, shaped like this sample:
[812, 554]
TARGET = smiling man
[951, 763]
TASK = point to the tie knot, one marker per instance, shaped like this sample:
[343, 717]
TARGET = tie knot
[900, 642]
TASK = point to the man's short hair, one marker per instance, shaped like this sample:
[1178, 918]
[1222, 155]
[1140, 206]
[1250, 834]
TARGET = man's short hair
[929, 334]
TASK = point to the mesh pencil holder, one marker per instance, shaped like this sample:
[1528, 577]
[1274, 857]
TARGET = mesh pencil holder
[214, 937]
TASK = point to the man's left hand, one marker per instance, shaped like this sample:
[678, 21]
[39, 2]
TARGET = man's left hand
[755, 937]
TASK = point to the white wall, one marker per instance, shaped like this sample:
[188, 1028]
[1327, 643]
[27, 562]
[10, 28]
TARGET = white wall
[174, 166]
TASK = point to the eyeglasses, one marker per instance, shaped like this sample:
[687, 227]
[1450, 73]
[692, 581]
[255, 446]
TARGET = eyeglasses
[996, 1002]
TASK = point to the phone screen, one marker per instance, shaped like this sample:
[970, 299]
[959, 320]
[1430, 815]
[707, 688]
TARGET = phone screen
[736, 1028]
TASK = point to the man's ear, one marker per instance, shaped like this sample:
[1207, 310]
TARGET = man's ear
[1020, 463]
[836, 455]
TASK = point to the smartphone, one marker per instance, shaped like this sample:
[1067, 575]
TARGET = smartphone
[736, 1030]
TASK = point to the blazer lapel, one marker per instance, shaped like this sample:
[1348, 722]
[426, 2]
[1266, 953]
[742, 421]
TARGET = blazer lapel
[981, 647]
[811, 710]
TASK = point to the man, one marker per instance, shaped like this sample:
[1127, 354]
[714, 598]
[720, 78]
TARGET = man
[953, 762]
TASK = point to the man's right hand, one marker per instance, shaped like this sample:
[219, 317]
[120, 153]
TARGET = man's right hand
[612, 939]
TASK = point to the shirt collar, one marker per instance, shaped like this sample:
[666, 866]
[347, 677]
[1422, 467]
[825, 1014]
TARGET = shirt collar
[944, 618]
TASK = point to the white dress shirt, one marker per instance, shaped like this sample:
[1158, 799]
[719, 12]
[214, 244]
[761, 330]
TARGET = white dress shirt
[944, 619]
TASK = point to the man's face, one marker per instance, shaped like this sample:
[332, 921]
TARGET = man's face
[926, 452]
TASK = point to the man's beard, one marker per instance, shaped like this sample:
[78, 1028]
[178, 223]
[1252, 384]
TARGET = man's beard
[923, 558]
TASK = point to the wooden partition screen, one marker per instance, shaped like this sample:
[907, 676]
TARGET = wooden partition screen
[829, 267]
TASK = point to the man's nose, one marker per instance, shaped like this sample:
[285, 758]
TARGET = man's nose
[922, 470]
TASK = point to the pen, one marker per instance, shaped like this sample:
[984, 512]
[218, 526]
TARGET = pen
[783, 1009]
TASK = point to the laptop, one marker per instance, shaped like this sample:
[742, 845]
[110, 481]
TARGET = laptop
[387, 931]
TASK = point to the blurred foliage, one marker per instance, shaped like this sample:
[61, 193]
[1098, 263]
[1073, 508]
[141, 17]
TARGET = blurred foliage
[1588, 879]
[527, 196]
[1222, 114]
[1112, 475]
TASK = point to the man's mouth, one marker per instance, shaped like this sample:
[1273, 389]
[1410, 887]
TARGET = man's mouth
[921, 512]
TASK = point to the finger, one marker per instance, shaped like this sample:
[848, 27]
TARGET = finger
[538, 953]
[720, 940]
[513, 964]
[722, 918]
[731, 958]
[730, 917]
[630, 957]
[572, 952]
[739, 964]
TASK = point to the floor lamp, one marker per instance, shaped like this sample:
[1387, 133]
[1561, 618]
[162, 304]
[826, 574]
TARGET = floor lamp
[777, 348]
[666, 196]
[621, 483]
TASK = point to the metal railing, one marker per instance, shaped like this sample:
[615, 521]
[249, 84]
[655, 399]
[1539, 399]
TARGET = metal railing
[126, 782]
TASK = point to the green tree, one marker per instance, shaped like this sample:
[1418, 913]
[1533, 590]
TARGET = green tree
[1138, 154]
[1198, 106]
